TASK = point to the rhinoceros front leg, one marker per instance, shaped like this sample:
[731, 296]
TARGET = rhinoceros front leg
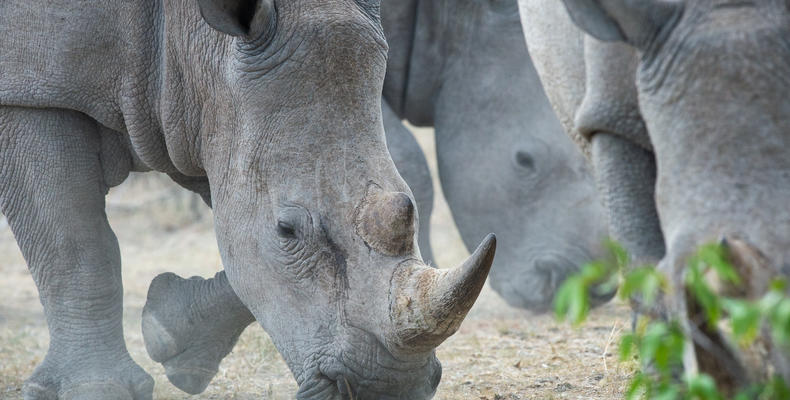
[52, 190]
[190, 325]
[626, 178]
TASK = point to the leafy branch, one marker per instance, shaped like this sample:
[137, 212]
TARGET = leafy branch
[659, 345]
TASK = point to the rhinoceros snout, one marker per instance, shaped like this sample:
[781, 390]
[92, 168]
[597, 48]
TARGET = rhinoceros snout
[534, 285]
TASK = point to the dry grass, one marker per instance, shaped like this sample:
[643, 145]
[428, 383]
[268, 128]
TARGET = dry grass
[499, 352]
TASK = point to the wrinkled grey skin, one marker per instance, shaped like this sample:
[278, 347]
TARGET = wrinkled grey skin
[463, 67]
[689, 121]
[273, 114]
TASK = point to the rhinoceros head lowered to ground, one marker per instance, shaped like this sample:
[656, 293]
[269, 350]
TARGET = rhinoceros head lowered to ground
[315, 226]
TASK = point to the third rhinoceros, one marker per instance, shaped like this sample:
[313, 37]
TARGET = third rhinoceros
[686, 106]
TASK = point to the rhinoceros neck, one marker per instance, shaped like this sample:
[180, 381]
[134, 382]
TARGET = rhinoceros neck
[167, 104]
[164, 104]
[192, 57]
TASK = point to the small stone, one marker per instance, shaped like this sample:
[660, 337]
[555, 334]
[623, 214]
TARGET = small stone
[563, 387]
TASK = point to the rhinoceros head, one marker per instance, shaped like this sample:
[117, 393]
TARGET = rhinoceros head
[315, 226]
[504, 160]
[713, 83]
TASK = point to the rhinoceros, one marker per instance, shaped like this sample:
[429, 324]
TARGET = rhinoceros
[505, 163]
[272, 112]
[686, 106]
[554, 219]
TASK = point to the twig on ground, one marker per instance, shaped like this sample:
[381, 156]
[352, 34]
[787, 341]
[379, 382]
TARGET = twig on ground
[614, 331]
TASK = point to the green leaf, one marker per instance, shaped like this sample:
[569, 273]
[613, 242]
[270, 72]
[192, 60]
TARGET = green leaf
[627, 343]
[619, 254]
[645, 282]
[562, 299]
[702, 387]
[639, 385]
[714, 255]
[651, 342]
[780, 321]
[571, 302]
[745, 319]
[666, 391]
[702, 294]
[778, 285]
[777, 388]
[593, 272]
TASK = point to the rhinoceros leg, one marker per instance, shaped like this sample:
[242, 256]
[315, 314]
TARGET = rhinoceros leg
[190, 325]
[412, 166]
[626, 176]
[52, 191]
[625, 168]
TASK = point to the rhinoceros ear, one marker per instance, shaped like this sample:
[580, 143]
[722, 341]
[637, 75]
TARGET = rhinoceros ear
[631, 21]
[237, 17]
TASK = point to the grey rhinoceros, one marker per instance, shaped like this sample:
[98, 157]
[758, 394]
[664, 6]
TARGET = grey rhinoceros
[505, 163]
[526, 165]
[271, 111]
[686, 106]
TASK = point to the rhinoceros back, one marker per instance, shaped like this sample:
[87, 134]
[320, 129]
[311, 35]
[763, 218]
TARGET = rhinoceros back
[71, 54]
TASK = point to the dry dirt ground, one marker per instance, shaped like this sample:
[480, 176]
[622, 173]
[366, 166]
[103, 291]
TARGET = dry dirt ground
[499, 352]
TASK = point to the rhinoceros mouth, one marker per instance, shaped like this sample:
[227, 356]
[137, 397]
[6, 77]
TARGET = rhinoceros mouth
[361, 367]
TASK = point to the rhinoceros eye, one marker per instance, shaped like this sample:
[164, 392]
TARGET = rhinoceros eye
[525, 160]
[286, 230]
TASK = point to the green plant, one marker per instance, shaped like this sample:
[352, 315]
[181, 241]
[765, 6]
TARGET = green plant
[659, 345]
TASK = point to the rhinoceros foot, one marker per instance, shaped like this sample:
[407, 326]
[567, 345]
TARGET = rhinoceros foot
[101, 376]
[186, 331]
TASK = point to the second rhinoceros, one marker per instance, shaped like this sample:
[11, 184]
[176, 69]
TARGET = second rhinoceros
[505, 163]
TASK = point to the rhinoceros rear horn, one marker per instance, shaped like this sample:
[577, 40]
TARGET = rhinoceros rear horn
[238, 17]
[427, 305]
[386, 221]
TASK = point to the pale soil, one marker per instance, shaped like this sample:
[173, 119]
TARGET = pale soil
[499, 353]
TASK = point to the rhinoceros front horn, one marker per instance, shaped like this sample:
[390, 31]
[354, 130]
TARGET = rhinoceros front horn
[427, 305]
